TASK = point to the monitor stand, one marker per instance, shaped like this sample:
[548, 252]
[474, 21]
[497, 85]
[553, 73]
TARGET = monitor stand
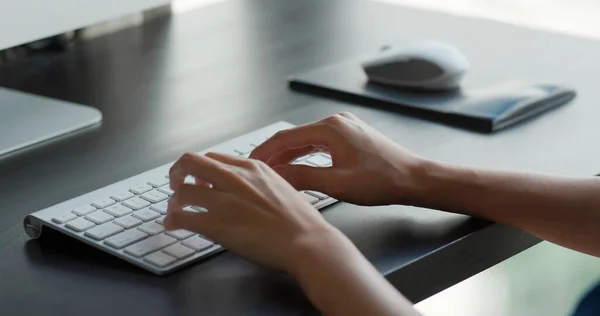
[27, 120]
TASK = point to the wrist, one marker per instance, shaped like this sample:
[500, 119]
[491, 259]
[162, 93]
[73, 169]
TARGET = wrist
[427, 181]
[315, 250]
[442, 186]
[413, 180]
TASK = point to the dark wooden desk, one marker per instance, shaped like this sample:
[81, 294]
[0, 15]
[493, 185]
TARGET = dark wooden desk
[193, 80]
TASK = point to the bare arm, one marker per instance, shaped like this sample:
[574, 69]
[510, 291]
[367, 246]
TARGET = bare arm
[254, 209]
[255, 213]
[338, 280]
[562, 210]
[370, 169]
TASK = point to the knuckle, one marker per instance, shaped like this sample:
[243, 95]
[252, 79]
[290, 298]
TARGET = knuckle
[188, 160]
[260, 164]
[253, 165]
[188, 156]
[228, 172]
[335, 120]
[249, 165]
[182, 162]
[347, 115]
[280, 133]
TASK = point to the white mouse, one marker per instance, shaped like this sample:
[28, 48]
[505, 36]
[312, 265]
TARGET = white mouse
[429, 65]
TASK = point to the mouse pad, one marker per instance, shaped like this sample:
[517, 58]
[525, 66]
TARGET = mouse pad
[486, 109]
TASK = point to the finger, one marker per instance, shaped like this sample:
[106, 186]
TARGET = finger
[317, 134]
[200, 223]
[350, 116]
[303, 177]
[226, 159]
[291, 155]
[203, 169]
[195, 195]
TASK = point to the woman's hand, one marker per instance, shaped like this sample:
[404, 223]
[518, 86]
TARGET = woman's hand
[251, 210]
[368, 168]
[255, 213]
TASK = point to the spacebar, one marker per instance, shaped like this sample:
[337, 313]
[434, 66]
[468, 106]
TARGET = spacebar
[149, 245]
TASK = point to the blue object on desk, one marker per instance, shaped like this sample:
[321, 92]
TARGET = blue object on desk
[590, 303]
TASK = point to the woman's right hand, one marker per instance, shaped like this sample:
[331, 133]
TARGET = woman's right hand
[368, 168]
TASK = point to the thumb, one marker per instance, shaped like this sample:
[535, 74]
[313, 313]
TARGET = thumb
[303, 177]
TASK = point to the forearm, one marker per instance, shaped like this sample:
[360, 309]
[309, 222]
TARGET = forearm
[562, 210]
[340, 281]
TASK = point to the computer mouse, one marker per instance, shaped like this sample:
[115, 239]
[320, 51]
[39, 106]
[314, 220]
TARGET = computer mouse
[429, 65]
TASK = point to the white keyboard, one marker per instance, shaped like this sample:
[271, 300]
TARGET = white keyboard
[125, 218]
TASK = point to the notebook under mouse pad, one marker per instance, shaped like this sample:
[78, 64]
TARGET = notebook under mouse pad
[486, 109]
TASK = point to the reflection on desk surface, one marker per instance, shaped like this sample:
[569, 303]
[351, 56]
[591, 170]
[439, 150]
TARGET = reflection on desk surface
[544, 280]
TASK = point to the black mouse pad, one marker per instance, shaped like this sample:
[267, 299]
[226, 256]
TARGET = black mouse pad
[486, 109]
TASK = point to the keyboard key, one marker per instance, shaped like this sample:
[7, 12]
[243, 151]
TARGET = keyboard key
[180, 233]
[125, 238]
[189, 209]
[120, 197]
[197, 243]
[160, 259]
[319, 161]
[161, 207]
[189, 180]
[302, 162]
[146, 214]
[197, 208]
[84, 210]
[149, 245]
[117, 210]
[63, 218]
[166, 190]
[139, 189]
[299, 160]
[136, 203]
[151, 228]
[319, 195]
[99, 217]
[80, 224]
[136, 210]
[158, 182]
[154, 196]
[309, 198]
[178, 251]
[103, 203]
[127, 221]
[102, 231]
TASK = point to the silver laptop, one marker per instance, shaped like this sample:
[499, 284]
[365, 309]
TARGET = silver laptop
[28, 119]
